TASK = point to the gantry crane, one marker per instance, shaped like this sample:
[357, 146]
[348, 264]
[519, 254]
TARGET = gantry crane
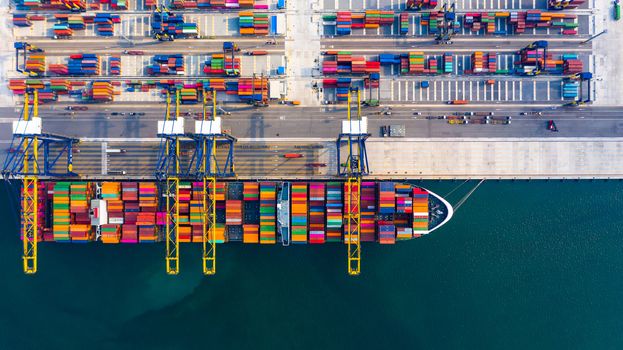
[23, 163]
[448, 26]
[168, 170]
[581, 78]
[230, 47]
[205, 166]
[25, 49]
[354, 134]
[540, 48]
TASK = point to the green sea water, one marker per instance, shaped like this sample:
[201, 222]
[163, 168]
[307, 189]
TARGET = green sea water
[522, 265]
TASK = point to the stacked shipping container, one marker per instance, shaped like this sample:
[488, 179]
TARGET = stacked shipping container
[334, 212]
[316, 212]
[299, 212]
[420, 212]
[268, 218]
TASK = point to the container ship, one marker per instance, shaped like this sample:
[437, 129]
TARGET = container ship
[271, 212]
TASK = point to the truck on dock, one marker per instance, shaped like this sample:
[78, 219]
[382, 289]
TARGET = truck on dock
[256, 53]
[458, 102]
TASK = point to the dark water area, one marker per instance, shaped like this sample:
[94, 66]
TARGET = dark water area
[522, 265]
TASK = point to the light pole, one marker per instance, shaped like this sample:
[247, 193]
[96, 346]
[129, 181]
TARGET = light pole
[594, 36]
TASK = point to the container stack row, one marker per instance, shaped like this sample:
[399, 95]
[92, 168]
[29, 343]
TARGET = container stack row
[570, 90]
[61, 217]
[174, 25]
[404, 23]
[167, 65]
[78, 65]
[111, 194]
[299, 212]
[118, 4]
[572, 66]
[101, 91]
[376, 18]
[251, 198]
[387, 232]
[342, 62]
[368, 211]
[484, 62]
[431, 20]
[334, 212]
[218, 64]
[21, 20]
[448, 62]
[344, 22]
[316, 212]
[268, 215]
[404, 209]
[115, 65]
[35, 63]
[104, 23]
[253, 23]
[387, 194]
[140, 202]
[420, 212]
[80, 197]
[253, 89]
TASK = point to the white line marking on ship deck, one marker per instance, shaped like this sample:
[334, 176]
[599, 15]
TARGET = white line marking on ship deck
[463, 90]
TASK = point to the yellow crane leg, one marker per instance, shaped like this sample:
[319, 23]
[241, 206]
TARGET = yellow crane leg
[172, 226]
[30, 229]
[353, 219]
[209, 225]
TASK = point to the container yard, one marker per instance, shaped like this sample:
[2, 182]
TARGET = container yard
[163, 97]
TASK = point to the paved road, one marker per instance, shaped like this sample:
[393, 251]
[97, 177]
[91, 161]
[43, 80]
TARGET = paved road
[428, 44]
[288, 122]
[150, 46]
